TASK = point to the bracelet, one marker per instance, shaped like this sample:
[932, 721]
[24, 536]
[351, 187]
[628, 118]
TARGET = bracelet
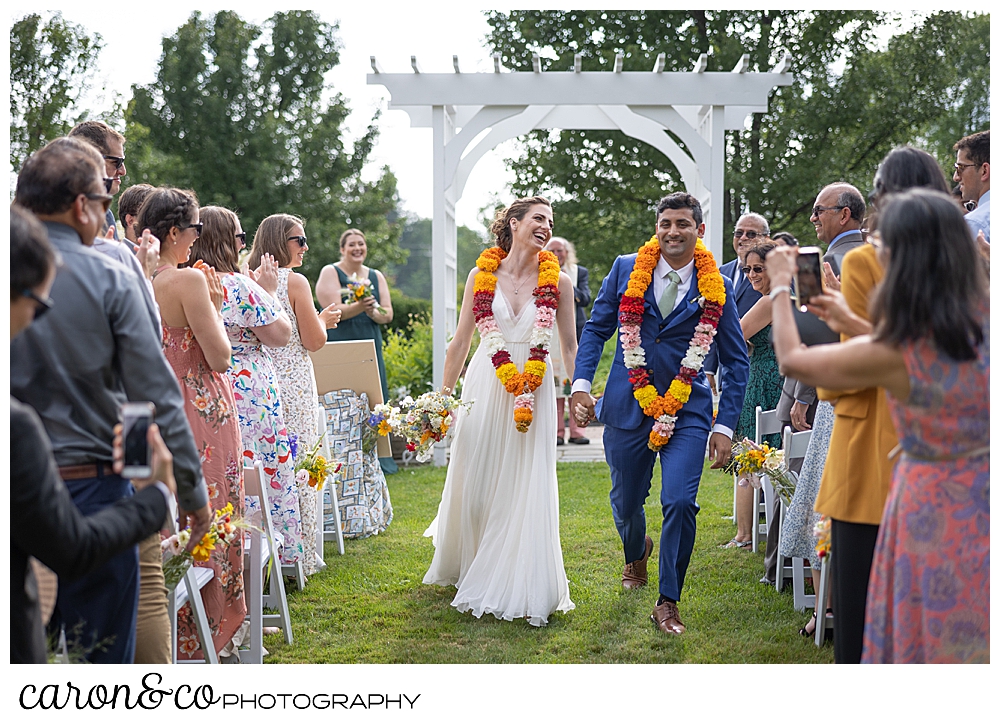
[778, 290]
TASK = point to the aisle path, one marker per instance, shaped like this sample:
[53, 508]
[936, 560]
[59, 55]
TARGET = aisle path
[592, 453]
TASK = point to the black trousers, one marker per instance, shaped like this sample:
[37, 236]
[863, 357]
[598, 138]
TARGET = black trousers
[852, 547]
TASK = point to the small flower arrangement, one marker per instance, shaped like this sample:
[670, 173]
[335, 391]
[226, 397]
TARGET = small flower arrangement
[425, 421]
[357, 290]
[822, 532]
[313, 468]
[224, 530]
[379, 423]
[751, 461]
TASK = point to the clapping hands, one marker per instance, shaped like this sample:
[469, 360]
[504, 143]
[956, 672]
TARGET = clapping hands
[266, 274]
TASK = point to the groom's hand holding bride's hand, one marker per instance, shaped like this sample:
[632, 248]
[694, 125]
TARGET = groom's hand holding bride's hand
[583, 407]
[720, 449]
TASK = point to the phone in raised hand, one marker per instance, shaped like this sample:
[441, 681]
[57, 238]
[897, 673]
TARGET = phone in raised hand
[136, 419]
[809, 279]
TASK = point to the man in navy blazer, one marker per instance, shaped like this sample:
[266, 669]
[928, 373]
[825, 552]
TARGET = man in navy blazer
[751, 229]
[665, 340]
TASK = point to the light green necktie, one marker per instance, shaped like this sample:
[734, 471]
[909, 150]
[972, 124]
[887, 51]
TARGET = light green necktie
[669, 294]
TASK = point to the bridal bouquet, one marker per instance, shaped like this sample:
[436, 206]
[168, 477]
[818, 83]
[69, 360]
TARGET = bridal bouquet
[426, 420]
[358, 289]
[313, 468]
[751, 461]
[224, 530]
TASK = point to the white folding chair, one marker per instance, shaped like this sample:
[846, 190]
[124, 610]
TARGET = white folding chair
[331, 487]
[767, 424]
[795, 445]
[189, 591]
[259, 559]
[823, 621]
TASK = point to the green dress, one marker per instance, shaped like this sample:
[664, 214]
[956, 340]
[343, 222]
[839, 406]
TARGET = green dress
[763, 387]
[361, 327]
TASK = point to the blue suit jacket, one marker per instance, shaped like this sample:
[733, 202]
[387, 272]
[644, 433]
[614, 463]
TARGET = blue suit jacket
[746, 297]
[665, 342]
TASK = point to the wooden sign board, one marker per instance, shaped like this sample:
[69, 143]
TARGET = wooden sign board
[351, 365]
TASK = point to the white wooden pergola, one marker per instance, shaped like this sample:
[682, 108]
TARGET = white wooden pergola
[472, 113]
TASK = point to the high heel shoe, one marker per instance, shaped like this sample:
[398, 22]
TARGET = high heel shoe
[804, 631]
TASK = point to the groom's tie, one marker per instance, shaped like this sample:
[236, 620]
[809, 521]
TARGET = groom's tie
[669, 294]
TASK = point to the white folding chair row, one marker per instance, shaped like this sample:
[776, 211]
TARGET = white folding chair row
[767, 423]
[189, 591]
[337, 534]
[795, 445]
[260, 561]
[823, 621]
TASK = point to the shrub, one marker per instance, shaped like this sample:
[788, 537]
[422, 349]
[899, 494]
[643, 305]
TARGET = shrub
[409, 358]
[408, 310]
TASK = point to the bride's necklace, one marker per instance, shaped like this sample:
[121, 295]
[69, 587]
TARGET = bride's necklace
[518, 287]
[520, 384]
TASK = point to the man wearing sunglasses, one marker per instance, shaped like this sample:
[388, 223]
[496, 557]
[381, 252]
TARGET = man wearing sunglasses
[751, 229]
[111, 145]
[972, 172]
[76, 365]
[837, 216]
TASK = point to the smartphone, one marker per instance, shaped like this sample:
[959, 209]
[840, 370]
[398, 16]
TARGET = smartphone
[809, 280]
[136, 419]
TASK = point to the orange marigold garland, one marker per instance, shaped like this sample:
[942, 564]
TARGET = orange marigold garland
[520, 384]
[712, 290]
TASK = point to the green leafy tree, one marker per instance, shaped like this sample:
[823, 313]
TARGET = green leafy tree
[51, 66]
[240, 114]
[414, 277]
[849, 105]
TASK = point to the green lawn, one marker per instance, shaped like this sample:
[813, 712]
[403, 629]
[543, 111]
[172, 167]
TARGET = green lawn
[370, 605]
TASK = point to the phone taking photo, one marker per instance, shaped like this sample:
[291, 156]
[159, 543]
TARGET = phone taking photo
[809, 279]
[136, 419]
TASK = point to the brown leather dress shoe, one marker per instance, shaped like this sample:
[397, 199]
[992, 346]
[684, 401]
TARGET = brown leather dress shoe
[635, 575]
[667, 618]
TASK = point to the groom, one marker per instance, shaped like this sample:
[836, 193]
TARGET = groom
[670, 315]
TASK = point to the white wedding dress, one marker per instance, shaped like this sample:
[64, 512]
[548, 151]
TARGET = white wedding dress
[496, 534]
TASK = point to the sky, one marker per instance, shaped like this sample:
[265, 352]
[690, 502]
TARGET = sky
[399, 31]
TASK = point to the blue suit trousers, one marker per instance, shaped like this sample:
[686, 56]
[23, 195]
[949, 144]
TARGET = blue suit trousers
[681, 464]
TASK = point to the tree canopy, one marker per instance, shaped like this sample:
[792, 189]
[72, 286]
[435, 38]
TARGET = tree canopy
[851, 103]
[51, 66]
[242, 115]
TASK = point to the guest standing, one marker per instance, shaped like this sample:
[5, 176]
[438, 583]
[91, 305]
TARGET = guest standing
[254, 322]
[198, 350]
[283, 237]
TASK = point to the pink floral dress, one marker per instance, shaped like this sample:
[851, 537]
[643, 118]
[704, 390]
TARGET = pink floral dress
[211, 412]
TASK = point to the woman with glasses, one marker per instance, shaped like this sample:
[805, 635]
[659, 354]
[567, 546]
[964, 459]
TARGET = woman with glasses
[198, 350]
[928, 597]
[362, 318]
[282, 236]
[763, 384]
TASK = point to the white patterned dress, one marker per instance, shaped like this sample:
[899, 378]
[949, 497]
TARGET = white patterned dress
[258, 403]
[300, 402]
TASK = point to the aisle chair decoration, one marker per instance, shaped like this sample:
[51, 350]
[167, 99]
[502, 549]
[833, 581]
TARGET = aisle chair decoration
[751, 462]
[362, 493]
[224, 530]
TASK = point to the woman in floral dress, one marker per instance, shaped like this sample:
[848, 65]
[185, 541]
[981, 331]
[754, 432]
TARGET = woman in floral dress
[198, 350]
[254, 321]
[283, 237]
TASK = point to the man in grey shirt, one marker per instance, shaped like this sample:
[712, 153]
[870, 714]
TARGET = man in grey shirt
[96, 349]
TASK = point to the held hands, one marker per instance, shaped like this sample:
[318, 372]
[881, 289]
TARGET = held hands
[582, 405]
[148, 253]
[161, 461]
[330, 317]
[720, 446]
[266, 274]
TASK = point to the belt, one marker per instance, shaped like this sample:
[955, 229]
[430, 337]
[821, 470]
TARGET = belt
[88, 470]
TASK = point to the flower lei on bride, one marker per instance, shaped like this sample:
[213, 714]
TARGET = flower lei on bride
[520, 384]
[664, 408]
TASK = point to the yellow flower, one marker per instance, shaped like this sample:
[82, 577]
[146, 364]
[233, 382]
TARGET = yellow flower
[203, 551]
[506, 371]
[534, 367]
[645, 395]
[680, 390]
[384, 428]
[484, 282]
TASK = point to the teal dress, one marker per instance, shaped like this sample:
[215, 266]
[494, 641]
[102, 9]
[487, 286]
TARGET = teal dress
[361, 327]
[763, 387]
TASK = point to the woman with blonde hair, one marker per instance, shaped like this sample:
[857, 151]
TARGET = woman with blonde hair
[283, 237]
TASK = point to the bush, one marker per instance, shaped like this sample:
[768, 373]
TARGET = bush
[409, 358]
[406, 311]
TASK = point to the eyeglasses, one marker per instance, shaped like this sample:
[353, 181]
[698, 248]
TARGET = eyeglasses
[960, 166]
[105, 200]
[300, 239]
[119, 161]
[756, 269]
[817, 210]
[197, 227]
[43, 304]
[750, 235]
[242, 236]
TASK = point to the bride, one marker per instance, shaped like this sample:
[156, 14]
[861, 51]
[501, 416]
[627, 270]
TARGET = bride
[496, 534]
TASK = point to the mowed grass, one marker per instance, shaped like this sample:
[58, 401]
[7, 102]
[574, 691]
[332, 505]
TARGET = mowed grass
[370, 605]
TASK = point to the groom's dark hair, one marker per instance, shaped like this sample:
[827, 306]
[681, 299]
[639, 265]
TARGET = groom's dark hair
[681, 200]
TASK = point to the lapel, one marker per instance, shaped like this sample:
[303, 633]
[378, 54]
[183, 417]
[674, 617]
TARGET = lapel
[682, 311]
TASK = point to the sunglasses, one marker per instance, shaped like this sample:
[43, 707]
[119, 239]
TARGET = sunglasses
[300, 239]
[817, 210]
[756, 269]
[105, 199]
[242, 236]
[750, 235]
[42, 305]
[119, 161]
[197, 227]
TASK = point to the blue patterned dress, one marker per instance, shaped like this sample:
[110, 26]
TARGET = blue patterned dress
[258, 403]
